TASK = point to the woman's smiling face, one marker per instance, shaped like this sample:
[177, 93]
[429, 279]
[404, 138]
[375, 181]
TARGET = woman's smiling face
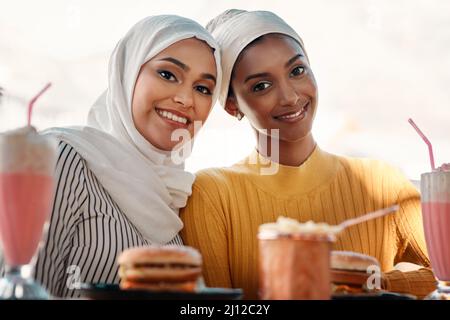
[274, 87]
[173, 90]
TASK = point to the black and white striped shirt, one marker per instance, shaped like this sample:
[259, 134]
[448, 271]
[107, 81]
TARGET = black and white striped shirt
[87, 230]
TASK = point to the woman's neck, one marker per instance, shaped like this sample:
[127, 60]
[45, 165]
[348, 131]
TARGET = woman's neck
[289, 153]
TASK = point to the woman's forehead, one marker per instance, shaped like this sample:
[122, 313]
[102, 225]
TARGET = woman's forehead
[190, 53]
[269, 50]
[184, 44]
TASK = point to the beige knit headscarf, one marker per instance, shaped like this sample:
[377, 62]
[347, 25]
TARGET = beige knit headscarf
[235, 29]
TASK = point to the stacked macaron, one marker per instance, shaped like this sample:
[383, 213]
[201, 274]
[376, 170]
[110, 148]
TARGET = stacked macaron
[160, 268]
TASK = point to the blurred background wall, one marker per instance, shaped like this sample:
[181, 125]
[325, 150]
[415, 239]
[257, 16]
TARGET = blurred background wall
[376, 63]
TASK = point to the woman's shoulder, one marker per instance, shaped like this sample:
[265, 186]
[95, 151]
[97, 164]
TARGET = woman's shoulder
[367, 163]
[67, 153]
[214, 177]
[69, 162]
[375, 170]
[216, 183]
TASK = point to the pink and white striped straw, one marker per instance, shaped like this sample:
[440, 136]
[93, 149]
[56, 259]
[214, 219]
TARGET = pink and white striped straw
[430, 147]
[32, 101]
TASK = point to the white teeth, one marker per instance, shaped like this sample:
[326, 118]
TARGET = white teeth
[293, 115]
[171, 116]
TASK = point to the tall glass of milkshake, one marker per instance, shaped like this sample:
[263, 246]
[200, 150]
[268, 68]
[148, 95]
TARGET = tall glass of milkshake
[27, 164]
[435, 190]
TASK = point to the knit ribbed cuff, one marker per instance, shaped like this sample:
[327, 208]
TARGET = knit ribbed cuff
[419, 282]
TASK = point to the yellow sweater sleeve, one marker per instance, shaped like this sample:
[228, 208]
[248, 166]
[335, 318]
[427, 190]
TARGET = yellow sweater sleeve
[411, 240]
[410, 231]
[205, 229]
[419, 283]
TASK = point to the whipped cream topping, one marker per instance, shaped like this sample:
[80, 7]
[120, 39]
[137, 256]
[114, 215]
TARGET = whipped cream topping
[444, 167]
[25, 150]
[288, 226]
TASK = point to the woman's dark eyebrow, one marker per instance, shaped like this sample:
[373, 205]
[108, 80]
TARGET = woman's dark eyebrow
[176, 62]
[186, 68]
[256, 75]
[208, 76]
[292, 60]
[265, 74]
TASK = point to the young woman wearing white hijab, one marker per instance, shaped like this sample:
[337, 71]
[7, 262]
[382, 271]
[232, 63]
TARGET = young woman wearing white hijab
[268, 79]
[117, 185]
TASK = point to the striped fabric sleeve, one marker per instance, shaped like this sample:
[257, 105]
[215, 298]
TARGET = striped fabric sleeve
[69, 200]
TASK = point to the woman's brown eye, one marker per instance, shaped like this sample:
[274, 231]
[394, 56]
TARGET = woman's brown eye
[298, 71]
[261, 86]
[204, 90]
[167, 75]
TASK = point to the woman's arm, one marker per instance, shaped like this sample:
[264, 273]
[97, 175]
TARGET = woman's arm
[70, 195]
[205, 229]
[411, 239]
[418, 282]
[410, 232]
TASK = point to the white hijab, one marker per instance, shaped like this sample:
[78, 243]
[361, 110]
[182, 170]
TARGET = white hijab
[235, 29]
[147, 186]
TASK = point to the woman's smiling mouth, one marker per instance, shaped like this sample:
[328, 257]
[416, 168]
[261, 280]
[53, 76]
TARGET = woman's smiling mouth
[173, 118]
[294, 115]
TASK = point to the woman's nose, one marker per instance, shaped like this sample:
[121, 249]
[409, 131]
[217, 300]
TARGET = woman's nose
[288, 95]
[184, 97]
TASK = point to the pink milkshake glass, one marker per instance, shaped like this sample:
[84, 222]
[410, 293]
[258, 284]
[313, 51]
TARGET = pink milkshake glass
[27, 164]
[435, 190]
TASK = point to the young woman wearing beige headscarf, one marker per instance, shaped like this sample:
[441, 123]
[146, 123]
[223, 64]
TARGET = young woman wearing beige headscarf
[268, 79]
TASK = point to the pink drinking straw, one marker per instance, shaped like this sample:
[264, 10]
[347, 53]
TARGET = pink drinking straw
[430, 147]
[30, 105]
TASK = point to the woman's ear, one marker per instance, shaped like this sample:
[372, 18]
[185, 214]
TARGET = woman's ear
[232, 108]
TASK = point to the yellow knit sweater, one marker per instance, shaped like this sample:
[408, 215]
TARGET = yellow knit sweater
[228, 204]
